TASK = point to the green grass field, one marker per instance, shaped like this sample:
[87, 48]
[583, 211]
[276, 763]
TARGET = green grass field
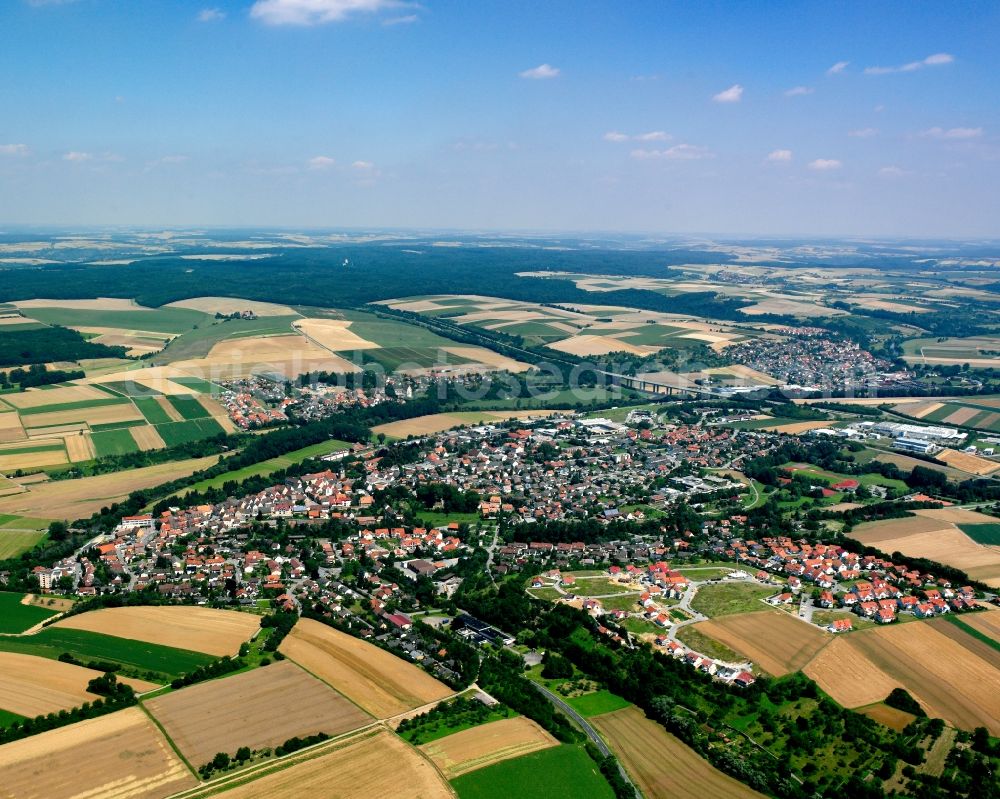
[97, 428]
[563, 772]
[987, 534]
[157, 320]
[188, 407]
[152, 410]
[7, 718]
[72, 406]
[197, 384]
[15, 542]
[113, 442]
[174, 433]
[725, 599]
[15, 617]
[138, 655]
[596, 703]
[25, 450]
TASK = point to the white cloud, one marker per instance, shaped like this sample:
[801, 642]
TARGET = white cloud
[893, 172]
[653, 135]
[798, 91]
[863, 133]
[211, 15]
[317, 12]
[824, 164]
[780, 156]
[76, 156]
[321, 162]
[407, 19]
[731, 95]
[14, 149]
[541, 72]
[935, 60]
[953, 133]
[363, 165]
[837, 68]
[679, 152]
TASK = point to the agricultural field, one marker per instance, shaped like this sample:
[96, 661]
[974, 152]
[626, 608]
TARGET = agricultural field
[950, 680]
[378, 681]
[14, 542]
[584, 330]
[121, 755]
[438, 422]
[261, 708]
[981, 413]
[938, 535]
[79, 498]
[561, 772]
[723, 599]
[775, 641]
[981, 351]
[986, 623]
[595, 703]
[17, 614]
[891, 717]
[360, 767]
[137, 656]
[33, 686]
[199, 629]
[660, 764]
[482, 746]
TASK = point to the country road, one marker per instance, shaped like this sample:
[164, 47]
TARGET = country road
[588, 730]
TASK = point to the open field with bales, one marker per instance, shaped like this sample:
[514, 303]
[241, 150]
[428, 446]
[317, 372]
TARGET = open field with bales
[75, 499]
[660, 764]
[938, 535]
[486, 744]
[33, 686]
[199, 629]
[949, 680]
[360, 767]
[376, 680]
[261, 708]
[775, 641]
[118, 756]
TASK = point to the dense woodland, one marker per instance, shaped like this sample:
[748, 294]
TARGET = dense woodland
[47, 344]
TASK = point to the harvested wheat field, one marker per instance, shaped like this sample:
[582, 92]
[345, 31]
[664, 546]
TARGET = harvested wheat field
[967, 462]
[334, 334]
[599, 345]
[79, 447]
[230, 305]
[488, 358]
[439, 422]
[949, 680]
[797, 427]
[485, 745]
[146, 437]
[370, 765]
[10, 428]
[987, 623]
[933, 534]
[372, 678]
[31, 460]
[214, 632]
[262, 708]
[891, 717]
[287, 355]
[74, 499]
[118, 756]
[35, 398]
[100, 414]
[35, 686]
[775, 641]
[660, 764]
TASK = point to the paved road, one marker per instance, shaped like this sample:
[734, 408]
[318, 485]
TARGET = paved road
[585, 726]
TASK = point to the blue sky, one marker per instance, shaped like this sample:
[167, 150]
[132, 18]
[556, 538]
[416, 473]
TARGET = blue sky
[792, 118]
